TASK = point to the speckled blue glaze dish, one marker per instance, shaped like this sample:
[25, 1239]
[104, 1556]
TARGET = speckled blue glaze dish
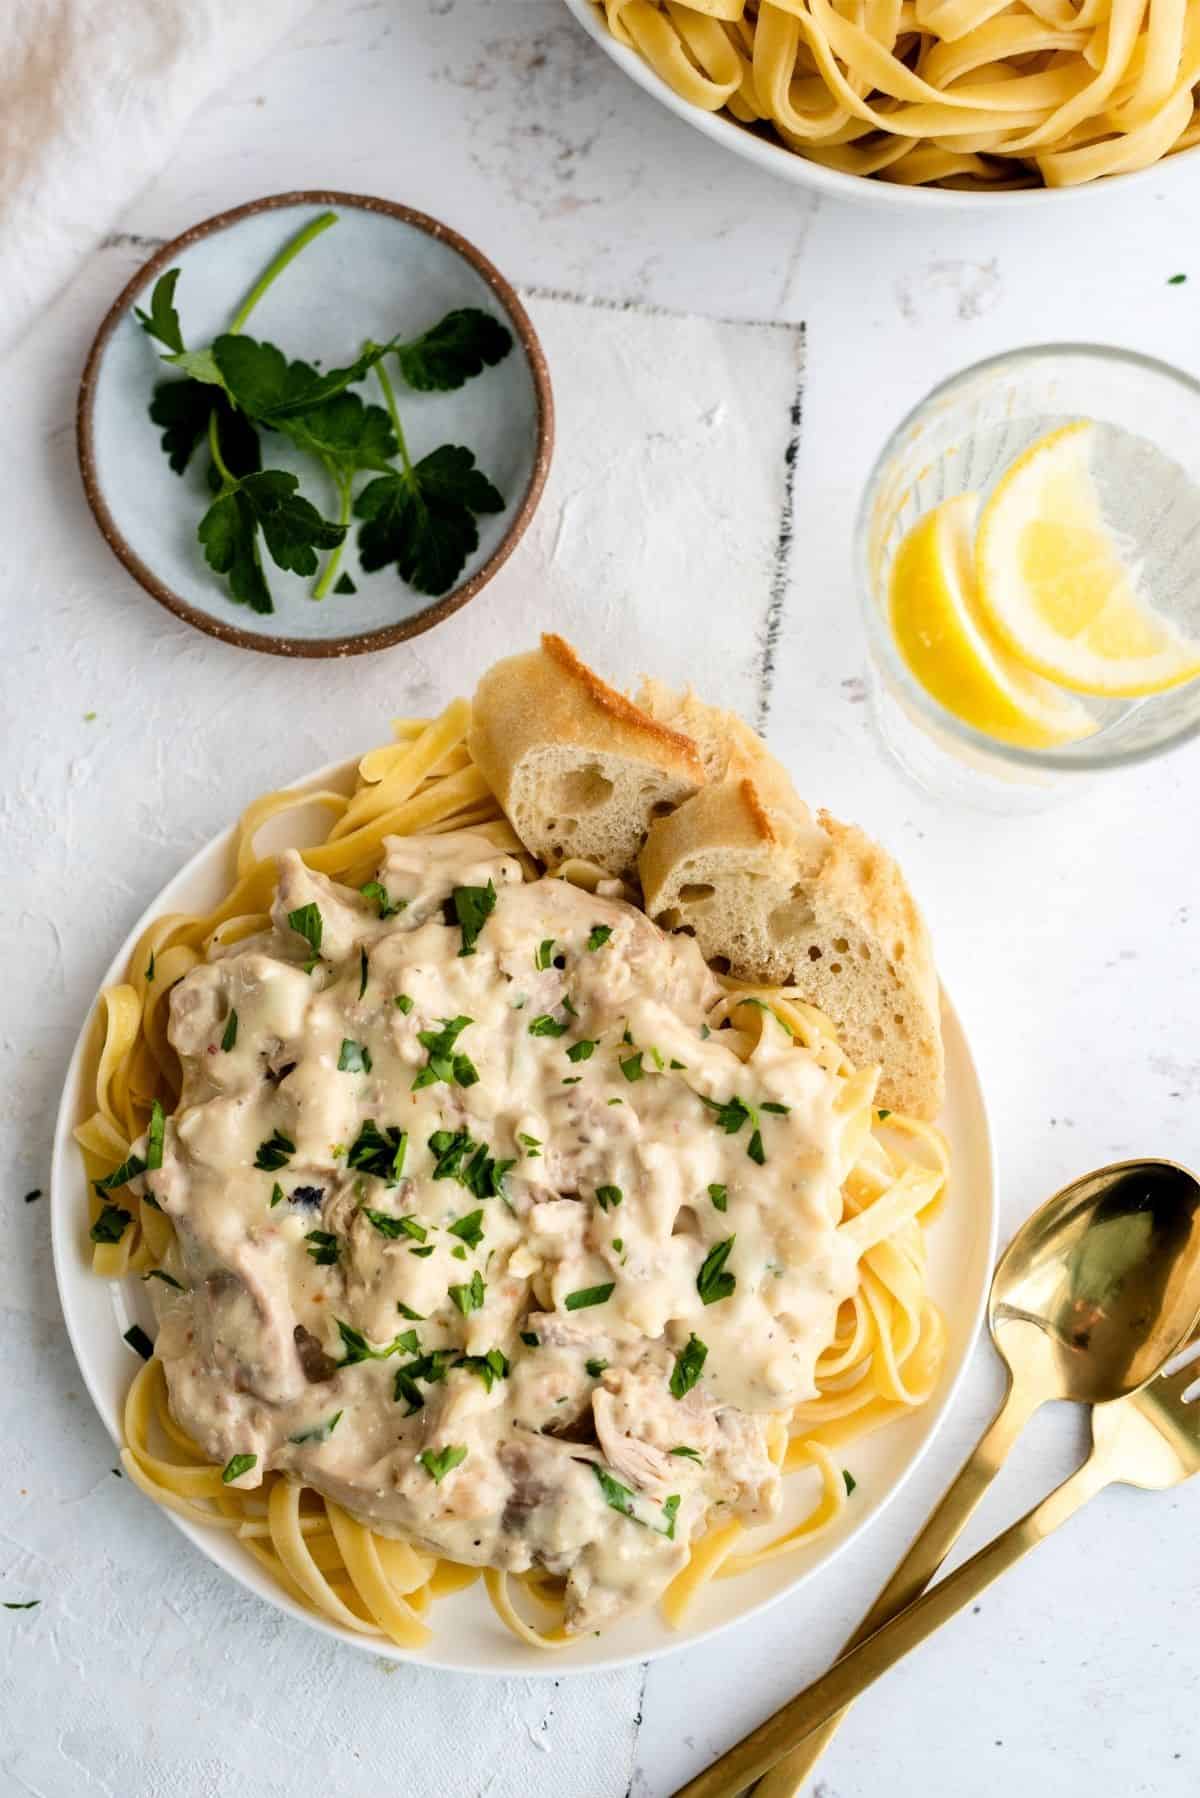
[383, 270]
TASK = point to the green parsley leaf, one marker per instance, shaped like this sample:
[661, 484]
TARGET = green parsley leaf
[150, 967]
[157, 1273]
[387, 1225]
[321, 1433]
[416, 1317]
[443, 1064]
[719, 1196]
[531, 1339]
[776, 1109]
[531, 1145]
[589, 1295]
[276, 1152]
[483, 1176]
[731, 1115]
[270, 388]
[403, 1003]
[1176, 280]
[451, 352]
[489, 1368]
[754, 1148]
[378, 893]
[362, 972]
[111, 1224]
[670, 1511]
[689, 1364]
[883, 1116]
[422, 1253]
[449, 1147]
[162, 320]
[346, 434]
[229, 1039]
[632, 1066]
[323, 1247]
[691, 1454]
[422, 519]
[155, 1134]
[598, 936]
[850, 1480]
[607, 1196]
[583, 1050]
[236, 1466]
[137, 1339]
[379, 1152]
[29, 1604]
[547, 1026]
[276, 1195]
[344, 584]
[469, 1229]
[615, 1494]
[618, 1244]
[470, 1297]
[678, 1066]
[545, 954]
[354, 1058]
[307, 922]
[437, 1466]
[712, 1282]
[130, 1168]
[359, 1349]
[595, 1368]
[292, 528]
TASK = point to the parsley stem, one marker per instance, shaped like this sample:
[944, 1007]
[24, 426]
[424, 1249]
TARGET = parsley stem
[214, 450]
[288, 254]
[335, 555]
[381, 375]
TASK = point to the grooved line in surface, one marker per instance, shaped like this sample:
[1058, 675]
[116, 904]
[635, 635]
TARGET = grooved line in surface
[781, 569]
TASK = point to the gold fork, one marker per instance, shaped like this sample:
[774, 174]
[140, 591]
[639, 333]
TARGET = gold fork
[1150, 1439]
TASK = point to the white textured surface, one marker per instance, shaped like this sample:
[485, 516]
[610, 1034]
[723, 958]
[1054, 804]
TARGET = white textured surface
[1070, 940]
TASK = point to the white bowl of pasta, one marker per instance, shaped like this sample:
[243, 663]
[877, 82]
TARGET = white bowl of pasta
[302, 1553]
[945, 104]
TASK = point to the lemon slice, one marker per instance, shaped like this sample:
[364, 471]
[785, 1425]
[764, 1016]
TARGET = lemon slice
[1053, 585]
[940, 633]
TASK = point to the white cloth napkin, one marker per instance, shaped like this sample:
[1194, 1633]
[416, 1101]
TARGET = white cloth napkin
[94, 95]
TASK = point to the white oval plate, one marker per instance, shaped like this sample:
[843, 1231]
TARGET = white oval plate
[467, 1635]
[775, 159]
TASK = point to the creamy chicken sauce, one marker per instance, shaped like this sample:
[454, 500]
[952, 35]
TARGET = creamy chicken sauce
[480, 1288]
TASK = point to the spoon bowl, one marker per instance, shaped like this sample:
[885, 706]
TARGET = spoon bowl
[1101, 1285]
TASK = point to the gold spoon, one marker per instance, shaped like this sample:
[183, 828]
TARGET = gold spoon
[1094, 1294]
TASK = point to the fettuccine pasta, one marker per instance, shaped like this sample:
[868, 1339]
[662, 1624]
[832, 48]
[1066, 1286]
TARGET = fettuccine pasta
[883, 1361]
[987, 94]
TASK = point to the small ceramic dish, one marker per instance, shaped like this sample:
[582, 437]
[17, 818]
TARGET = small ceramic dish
[383, 270]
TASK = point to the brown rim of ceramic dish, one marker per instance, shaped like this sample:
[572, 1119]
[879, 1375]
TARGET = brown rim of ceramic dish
[368, 640]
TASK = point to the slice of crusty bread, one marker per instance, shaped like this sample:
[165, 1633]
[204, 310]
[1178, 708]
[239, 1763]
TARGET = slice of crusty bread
[728, 747]
[578, 768]
[819, 907]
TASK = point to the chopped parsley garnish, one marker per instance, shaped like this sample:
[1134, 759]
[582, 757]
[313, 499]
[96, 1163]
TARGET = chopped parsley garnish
[754, 1148]
[137, 1339]
[473, 906]
[545, 954]
[437, 1466]
[531, 1339]
[705, 1033]
[354, 1058]
[572, 1080]
[469, 1229]
[422, 1254]
[276, 1195]
[489, 1368]
[359, 1349]
[388, 908]
[403, 1003]
[621, 1499]
[729, 1116]
[583, 1050]
[568, 1005]
[443, 1063]
[678, 1066]
[321, 1433]
[416, 1317]
[394, 1227]
[379, 1152]
[598, 936]
[719, 1196]
[531, 1144]
[1176, 280]
[307, 922]
[883, 1115]
[111, 1224]
[363, 970]
[276, 1152]
[323, 1247]
[781, 1111]
[236, 1466]
[618, 1244]
[547, 1026]
[670, 1512]
[595, 1368]
[607, 1196]
[689, 1364]
[157, 1273]
[632, 1066]
[850, 1480]
[691, 1454]
[29, 1604]
[469, 1298]
[589, 1295]
[448, 1148]
[155, 1133]
[130, 1168]
[431, 1368]
[712, 1282]
[230, 1037]
[150, 967]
